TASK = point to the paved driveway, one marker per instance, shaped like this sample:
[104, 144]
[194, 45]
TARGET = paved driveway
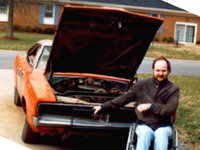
[12, 119]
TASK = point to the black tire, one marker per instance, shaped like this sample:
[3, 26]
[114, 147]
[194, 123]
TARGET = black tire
[28, 135]
[17, 100]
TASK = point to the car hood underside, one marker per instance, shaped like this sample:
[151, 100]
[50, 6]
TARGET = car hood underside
[101, 41]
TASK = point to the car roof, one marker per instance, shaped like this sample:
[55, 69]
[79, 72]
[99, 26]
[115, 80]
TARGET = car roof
[46, 42]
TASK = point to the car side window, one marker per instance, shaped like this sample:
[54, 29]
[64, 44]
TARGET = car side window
[43, 58]
[32, 53]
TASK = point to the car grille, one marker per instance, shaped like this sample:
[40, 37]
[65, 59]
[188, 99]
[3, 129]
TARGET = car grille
[123, 115]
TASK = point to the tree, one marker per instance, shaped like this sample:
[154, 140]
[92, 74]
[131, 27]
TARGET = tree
[9, 33]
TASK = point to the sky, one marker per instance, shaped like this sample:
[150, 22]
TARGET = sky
[191, 6]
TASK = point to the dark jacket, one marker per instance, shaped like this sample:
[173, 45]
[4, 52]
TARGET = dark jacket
[163, 96]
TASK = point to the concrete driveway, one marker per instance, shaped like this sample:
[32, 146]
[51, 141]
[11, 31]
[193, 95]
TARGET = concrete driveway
[12, 119]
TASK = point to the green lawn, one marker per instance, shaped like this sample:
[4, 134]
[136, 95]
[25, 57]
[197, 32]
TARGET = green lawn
[188, 52]
[24, 42]
[188, 117]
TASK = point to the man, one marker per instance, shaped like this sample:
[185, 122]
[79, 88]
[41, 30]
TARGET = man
[156, 101]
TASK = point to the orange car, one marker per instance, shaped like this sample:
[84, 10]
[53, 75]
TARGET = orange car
[93, 58]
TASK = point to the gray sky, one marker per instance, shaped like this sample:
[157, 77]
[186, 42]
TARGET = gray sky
[191, 6]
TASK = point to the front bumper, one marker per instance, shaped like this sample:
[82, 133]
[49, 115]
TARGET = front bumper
[64, 122]
[74, 116]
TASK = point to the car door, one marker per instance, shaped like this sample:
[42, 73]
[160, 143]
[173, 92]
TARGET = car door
[25, 66]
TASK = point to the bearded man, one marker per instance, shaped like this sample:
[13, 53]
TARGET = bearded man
[156, 100]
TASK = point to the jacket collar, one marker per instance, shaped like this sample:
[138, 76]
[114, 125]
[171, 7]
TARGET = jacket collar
[160, 83]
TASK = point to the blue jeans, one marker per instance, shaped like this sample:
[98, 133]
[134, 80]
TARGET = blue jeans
[145, 135]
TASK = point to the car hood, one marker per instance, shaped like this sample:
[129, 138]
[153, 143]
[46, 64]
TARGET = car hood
[101, 41]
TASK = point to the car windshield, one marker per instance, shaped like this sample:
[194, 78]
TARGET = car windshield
[44, 57]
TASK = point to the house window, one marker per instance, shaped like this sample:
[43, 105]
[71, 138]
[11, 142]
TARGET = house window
[49, 11]
[185, 32]
[3, 11]
[48, 14]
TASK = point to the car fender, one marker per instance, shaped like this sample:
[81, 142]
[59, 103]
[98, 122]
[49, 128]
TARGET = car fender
[36, 89]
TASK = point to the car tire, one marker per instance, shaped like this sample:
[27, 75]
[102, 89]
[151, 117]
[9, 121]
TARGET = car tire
[17, 100]
[28, 135]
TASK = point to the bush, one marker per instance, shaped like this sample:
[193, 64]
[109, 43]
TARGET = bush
[18, 28]
[37, 30]
[156, 39]
[198, 42]
[168, 39]
[27, 29]
[48, 30]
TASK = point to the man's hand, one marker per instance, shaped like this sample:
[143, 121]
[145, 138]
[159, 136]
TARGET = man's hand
[143, 107]
[96, 109]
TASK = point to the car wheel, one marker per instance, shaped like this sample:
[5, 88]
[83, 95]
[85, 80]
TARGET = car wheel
[17, 100]
[28, 135]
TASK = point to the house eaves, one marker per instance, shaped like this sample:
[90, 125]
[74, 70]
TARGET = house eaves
[141, 9]
[157, 6]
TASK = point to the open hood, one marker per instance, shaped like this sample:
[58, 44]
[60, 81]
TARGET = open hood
[101, 41]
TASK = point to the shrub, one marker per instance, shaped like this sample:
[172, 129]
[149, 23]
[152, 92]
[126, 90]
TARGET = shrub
[49, 30]
[198, 42]
[27, 29]
[18, 28]
[156, 39]
[168, 39]
[37, 30]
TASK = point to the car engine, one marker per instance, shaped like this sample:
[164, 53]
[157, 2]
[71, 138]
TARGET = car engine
[88, 89]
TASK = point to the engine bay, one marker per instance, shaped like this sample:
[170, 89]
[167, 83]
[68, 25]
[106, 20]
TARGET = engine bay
[89, 89]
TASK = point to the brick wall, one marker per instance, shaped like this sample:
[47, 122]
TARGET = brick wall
[27, 15]
[170, 23]
[3, 26]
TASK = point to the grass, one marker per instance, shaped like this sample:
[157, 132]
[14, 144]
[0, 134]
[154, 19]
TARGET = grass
[24, 42]
[188, 118]
[183, 52]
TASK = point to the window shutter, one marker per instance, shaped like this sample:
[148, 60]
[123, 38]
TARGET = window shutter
[56, 14]
[41, 16]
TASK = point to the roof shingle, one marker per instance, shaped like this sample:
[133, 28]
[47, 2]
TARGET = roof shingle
[159, 4]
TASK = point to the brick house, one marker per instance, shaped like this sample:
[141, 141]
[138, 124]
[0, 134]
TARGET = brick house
[178, 25]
